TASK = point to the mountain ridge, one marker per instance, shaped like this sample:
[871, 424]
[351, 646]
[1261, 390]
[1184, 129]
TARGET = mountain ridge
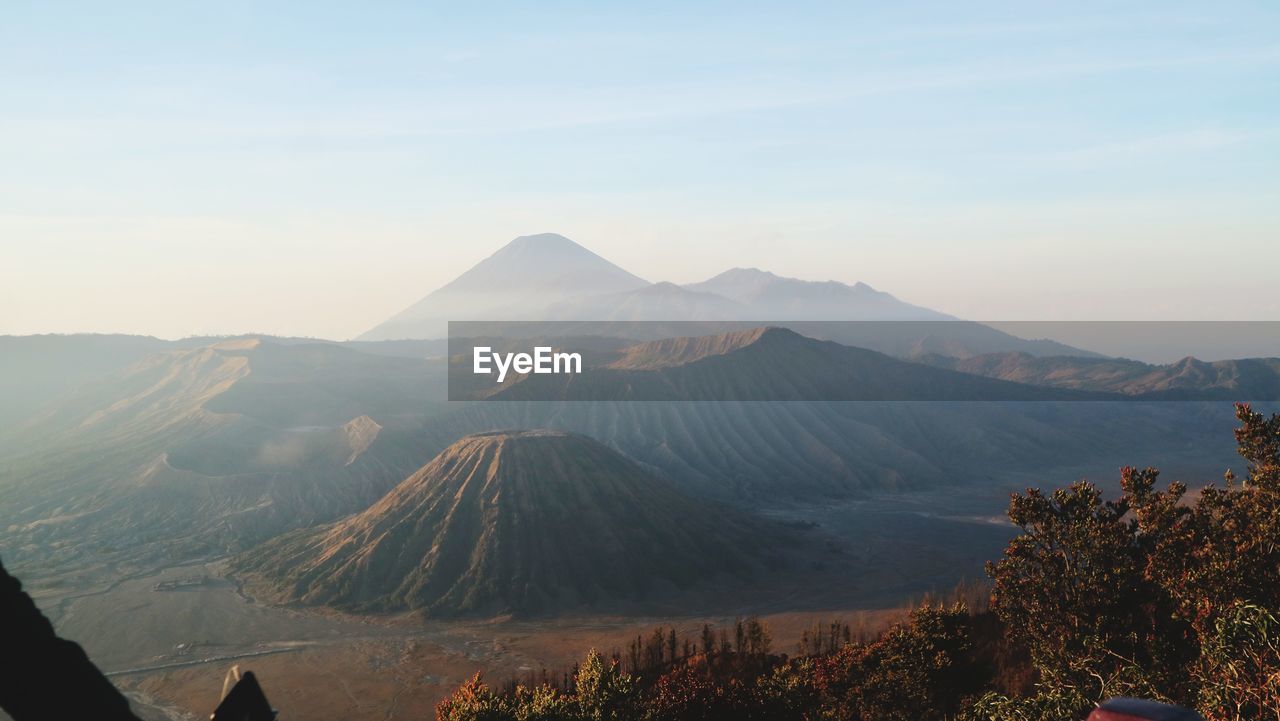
[1186, 379]
[523, 282]
[769, 296]
[550, 277]
[770, 364]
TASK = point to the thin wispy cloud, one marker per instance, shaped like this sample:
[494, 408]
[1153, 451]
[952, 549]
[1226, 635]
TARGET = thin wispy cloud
[837, 128]
[524, 109]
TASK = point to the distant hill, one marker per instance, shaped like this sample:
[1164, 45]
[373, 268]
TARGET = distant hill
[518, 282]
[769, 364]
[36, 369]
[1188, 379]
[766, 296]
[210, 447]
[239, 380]
[517, 522]
[953, 338]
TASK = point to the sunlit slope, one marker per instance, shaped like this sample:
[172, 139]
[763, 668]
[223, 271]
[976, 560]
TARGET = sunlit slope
[210, 447]
[35, 369]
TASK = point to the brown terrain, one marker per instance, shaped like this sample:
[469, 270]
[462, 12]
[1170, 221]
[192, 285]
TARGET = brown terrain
[167, 638]
[532, 522]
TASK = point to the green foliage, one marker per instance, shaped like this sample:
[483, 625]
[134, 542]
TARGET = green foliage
[1047, 705]
[540, 703]
[604, 693]
[1258, 442]
[1240, 665]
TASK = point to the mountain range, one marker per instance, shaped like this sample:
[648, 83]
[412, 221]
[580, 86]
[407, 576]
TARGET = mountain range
[769, 364]
[778, 364]
[217, 447]
[152, 450]
[549, 277]
[766, 296]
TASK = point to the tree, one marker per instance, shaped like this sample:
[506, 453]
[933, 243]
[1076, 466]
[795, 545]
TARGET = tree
[653, 650]
[758, 637]
[540, 703]
[919, 669]
[1223, 548]
[691, 693]
[1072, 588]
[472, 701]
[790, 692]
[604, 692]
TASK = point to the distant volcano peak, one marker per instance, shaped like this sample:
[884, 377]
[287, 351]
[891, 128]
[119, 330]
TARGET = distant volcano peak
[542, 243]
[517, 282]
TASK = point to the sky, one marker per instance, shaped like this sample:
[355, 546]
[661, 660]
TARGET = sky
[176, 168]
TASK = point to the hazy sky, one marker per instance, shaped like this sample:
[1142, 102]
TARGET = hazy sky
[177, 168]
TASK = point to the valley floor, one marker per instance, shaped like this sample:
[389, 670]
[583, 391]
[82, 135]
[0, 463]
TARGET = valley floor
[168, 637]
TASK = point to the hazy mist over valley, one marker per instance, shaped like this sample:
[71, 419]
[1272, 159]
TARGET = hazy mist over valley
[284, 476]
[573, 363]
